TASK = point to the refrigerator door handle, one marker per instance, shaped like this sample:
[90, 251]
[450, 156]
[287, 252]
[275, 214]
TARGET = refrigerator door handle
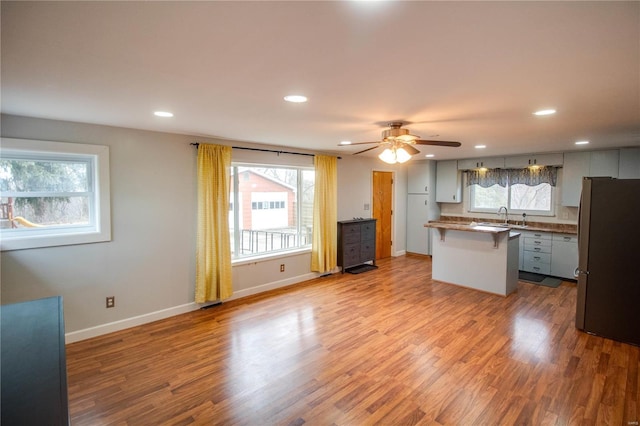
[579, 271]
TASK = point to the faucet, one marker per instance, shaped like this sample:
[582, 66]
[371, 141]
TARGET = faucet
[506, 214]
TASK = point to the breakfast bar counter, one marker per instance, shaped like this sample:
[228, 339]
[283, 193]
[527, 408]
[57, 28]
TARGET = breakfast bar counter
[480, 257]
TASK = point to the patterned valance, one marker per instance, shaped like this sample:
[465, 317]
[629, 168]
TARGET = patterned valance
[534, 176]
[487, 178]
[503, 177]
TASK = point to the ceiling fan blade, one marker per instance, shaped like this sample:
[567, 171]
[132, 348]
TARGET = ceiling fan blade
[410, 149]
[368, 149]
[356, 143]
[437, 143]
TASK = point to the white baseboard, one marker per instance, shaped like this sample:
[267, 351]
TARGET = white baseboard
[99, 330]
[273, 285]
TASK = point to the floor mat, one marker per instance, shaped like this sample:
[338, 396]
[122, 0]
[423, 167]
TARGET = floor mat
[539, 279]
[360, 269]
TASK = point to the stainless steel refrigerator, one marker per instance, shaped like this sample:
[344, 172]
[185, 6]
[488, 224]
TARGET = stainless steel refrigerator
[608, 302]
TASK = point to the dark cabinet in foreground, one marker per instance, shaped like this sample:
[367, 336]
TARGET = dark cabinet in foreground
[34, 369]
[356, 242]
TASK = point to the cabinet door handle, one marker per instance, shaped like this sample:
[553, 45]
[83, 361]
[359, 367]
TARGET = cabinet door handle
[426, 189]
[425, 202]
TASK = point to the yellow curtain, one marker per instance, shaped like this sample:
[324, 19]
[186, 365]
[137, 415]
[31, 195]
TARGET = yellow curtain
[325, 214]
[213, 251]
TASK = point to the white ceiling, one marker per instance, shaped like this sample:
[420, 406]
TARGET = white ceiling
[466, 71]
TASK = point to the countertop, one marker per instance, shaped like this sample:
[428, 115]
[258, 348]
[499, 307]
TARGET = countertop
[466, 227]
[531, 226]
[495, 231]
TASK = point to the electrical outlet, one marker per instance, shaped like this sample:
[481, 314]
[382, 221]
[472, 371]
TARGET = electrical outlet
[111, 301]
[282, 267]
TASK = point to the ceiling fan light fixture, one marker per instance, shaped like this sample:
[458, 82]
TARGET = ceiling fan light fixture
[402, 156]
[388, 156]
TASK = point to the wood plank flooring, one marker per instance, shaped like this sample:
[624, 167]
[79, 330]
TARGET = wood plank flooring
[388, 347]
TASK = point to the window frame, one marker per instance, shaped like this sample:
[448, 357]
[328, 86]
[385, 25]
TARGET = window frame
[473, 209]
[234, 199]
[99, 227]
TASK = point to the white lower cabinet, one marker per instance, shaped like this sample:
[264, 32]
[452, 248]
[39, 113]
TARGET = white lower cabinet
[549, 253]
[565, 255]
[537, 252]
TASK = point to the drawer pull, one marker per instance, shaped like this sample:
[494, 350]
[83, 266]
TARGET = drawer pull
[536, 257]
[567, 238]
[536, 248]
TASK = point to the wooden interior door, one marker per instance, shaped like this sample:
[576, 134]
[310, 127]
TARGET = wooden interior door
[382, 211]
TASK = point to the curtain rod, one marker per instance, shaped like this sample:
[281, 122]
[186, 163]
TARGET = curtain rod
[196, 144]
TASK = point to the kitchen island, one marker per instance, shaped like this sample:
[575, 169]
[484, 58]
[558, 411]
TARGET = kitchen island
[480, 257]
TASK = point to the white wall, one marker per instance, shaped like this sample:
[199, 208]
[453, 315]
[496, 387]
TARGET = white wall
[355, 182]
[149, 266]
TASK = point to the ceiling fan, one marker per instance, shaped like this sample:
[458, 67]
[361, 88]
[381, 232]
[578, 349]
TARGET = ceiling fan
[398, 144]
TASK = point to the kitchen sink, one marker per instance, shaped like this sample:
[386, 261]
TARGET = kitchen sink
[497, 225]
[502, 225]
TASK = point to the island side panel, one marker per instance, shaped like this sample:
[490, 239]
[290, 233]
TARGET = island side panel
[513, 262]
[469, 259]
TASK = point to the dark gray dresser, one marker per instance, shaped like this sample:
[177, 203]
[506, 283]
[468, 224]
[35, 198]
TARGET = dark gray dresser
[356, 242]
[34, 368]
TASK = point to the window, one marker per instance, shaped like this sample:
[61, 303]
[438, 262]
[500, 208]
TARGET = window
[521, 191]
[272, 209]
[53, 194]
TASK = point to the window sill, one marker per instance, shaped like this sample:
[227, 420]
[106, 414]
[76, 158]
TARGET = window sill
[270, 256]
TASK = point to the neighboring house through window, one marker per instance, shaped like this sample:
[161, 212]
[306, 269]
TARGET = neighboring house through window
[271, 210]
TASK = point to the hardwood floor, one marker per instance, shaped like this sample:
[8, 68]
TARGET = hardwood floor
[387, 347]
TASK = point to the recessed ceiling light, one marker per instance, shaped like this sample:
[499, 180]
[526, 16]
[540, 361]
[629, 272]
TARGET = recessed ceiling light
[545, 112]
[582, 142]
[295, 98]
[345, 143]
[163, 114]
[429, 155]
[480, 146]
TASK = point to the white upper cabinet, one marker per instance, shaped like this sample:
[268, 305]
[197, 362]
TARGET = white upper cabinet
[477, 163]
[629, 163]
[421, 177]
[523, 161]
[578, 165]
[448, 182]
[604, 163]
